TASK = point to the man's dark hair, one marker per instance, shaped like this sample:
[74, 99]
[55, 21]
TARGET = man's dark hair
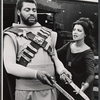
[19, 3]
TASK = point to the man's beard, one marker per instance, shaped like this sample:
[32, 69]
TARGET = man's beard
[27, 21]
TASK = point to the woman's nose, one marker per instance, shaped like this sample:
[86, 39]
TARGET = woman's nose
[74, 32]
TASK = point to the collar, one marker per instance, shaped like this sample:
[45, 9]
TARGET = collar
[16, 25]
[22, 26]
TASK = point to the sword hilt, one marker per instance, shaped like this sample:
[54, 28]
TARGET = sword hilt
[68, 79]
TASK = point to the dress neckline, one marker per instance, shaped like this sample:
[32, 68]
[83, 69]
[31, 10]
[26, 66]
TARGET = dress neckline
[79, 51]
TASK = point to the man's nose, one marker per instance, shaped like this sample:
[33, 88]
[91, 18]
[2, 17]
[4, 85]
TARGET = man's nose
[31, 12]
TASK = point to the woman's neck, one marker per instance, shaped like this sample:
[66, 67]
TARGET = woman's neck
[79, 43]
[79, 46]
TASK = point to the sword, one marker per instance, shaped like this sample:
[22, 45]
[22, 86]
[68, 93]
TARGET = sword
[62, 90]
[80, 92]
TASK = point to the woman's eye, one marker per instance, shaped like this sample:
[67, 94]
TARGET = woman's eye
[79, 30]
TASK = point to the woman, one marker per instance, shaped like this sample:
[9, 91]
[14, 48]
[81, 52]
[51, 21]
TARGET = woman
[78, 58]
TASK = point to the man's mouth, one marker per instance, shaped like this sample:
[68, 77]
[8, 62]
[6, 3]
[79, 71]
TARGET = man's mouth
[31, 18]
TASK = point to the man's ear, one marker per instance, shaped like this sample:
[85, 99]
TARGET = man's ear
[18, 12]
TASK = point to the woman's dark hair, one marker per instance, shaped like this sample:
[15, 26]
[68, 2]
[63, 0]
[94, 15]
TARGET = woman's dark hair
[19, 3]
[87, 24]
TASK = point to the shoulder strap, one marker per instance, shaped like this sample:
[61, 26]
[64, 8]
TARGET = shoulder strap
[30, 51]
[37, 41]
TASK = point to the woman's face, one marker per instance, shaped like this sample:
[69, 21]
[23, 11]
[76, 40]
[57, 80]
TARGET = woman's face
[78, 32]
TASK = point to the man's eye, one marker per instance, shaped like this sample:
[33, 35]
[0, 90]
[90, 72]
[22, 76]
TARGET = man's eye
[27, 10]
[34, 10]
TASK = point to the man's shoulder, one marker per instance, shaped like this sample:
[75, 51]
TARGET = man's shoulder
[53, 33]
[47, 29]
[5, 30]
[11, 29]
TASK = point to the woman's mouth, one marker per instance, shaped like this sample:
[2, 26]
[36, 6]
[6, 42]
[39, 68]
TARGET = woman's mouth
[75, 36]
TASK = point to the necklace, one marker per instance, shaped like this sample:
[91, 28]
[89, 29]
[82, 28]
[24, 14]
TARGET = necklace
[70, 63]
[71, 59]
[72, 55]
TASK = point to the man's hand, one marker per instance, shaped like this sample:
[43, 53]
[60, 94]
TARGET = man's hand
[44, 77]
[64, 75]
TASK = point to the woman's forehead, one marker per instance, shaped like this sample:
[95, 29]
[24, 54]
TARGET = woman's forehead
[78, 26]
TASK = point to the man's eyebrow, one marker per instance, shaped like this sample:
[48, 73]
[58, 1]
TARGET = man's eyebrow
[29, 8]
[26, 8]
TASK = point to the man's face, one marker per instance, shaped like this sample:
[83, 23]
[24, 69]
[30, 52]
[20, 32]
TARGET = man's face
[28, 14]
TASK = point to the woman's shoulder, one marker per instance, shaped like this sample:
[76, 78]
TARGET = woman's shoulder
[88, 51]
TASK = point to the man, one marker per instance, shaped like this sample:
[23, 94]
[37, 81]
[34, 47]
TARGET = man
[28, 59]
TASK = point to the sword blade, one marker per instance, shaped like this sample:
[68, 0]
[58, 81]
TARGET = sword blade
[63, 91]
[79, 91]
[74, 86]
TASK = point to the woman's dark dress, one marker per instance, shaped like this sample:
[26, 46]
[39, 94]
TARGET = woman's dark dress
[81, 66]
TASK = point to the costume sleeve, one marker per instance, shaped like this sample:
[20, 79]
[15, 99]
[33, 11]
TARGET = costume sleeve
[89, 60]
[13, 36]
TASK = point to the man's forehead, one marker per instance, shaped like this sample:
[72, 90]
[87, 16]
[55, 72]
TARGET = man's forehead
[29, 4]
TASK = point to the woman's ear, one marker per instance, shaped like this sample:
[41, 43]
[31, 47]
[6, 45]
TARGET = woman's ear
[18, 12]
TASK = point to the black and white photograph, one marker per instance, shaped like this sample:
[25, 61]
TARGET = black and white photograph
[50, 50]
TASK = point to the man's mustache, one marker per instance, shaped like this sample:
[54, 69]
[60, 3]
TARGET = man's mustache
[31, 16]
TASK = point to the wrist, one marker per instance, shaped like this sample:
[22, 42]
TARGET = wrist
[36, 74]
[84, 86]
[86, 83]
[62, 72]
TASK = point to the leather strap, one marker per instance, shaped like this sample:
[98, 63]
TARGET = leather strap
[33, 47]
